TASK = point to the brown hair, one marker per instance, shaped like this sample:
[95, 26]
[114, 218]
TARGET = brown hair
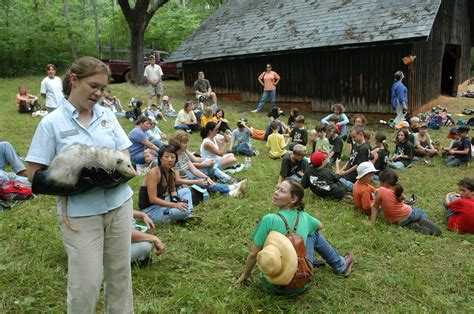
[332, 129]
[50, 65]
[391, 178]
[300, 119]
[297, 191]
[339, 106]
[178, 138]
[467, 183]
[320, 128]
[361, 116]
[381, 138]
[82, 68]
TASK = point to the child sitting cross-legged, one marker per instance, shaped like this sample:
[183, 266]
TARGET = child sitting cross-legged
[403, 151]
[240, 142]
[423, 145]
[298, 134]
[322, 180]
[276, 142]
[336, 143]
[461, 152]
[390, 199]
[460, 215]
[293, 165]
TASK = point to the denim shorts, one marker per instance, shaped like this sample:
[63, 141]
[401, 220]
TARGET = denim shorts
[416, 215]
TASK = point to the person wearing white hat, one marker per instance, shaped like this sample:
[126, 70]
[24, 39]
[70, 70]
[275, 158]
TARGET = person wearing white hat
[364, 193]
[273, 255]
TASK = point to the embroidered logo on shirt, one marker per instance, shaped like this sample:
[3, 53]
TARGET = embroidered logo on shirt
[105, 124]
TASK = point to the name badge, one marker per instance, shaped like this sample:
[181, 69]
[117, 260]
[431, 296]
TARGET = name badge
[68, 133]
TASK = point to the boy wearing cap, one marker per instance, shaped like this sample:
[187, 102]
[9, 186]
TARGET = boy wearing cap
[240, 142]
[167, 109]
[461, 154]
[321, 180]
[364, 193]
[153, 74]
[294, 164]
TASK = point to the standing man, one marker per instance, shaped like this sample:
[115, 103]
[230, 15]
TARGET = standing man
[153, 75]
[399, 98]
[202, 87]
[52, 88]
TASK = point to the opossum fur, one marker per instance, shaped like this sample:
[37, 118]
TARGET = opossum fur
[66, 167]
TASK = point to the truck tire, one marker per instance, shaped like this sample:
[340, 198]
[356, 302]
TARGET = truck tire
[127, 76]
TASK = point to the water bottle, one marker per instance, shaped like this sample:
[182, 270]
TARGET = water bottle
[248, 162]
[165, 226]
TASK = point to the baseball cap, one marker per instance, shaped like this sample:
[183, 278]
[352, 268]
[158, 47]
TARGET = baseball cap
[166, 98]
[317, 158]
[452, 132]
[402, 125]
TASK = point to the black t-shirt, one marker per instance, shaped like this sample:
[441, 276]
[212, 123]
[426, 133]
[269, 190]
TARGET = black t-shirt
[359, 154]
[323, 182]
[299, 136]
[289, 168]
[404, 148]
[382, 160]
[291, 122]
[463, 144]
[337, 145]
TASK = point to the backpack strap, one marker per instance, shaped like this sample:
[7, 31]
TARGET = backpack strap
[286, 222]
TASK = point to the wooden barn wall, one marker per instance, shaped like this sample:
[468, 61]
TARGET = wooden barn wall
[359, 78]
[452, 26]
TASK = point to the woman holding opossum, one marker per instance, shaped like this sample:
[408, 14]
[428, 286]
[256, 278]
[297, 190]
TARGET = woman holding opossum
[158, 194]
[102, 212]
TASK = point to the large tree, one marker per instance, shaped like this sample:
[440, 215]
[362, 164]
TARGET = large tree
[138, 19]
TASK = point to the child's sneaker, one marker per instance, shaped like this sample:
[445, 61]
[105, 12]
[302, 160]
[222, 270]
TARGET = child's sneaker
[349, 258]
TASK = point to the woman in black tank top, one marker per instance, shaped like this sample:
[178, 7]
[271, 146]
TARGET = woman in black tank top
[158, 195]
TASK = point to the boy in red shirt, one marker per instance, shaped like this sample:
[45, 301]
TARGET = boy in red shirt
[460, 207]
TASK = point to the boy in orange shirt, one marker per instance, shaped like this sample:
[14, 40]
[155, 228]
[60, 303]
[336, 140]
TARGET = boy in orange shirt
[364, 193]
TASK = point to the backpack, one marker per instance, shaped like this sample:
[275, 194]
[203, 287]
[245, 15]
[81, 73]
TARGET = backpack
[435, 122]
[15, 190]
[304, 270]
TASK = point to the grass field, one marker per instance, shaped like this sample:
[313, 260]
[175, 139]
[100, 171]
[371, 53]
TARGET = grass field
[396, 269]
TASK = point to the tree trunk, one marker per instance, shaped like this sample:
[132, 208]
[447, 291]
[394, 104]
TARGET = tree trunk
[138, 19]
[69, 30]
[97, 29]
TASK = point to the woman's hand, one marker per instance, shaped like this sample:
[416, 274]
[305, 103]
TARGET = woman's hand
[148, 222]
[210, 163]
[210, 182]
[181, 206]
[202, 181]
[159, 246]
[241, 279]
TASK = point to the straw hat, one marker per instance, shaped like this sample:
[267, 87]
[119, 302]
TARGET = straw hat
[277, 260]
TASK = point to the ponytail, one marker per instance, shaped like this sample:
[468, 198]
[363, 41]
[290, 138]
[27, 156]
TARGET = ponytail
[297, 191]
[399, 191]
[391, 178]
[381, 138]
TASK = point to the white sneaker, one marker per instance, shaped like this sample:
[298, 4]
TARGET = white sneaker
[239, 190]
[254, 111]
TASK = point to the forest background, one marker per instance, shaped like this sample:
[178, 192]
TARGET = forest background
[37, 32]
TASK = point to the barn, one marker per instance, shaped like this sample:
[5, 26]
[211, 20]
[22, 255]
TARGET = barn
[333, 51]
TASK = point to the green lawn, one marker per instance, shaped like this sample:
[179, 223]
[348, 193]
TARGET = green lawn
[396, 269]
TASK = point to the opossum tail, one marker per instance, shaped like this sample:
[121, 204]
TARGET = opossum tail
[64, 213]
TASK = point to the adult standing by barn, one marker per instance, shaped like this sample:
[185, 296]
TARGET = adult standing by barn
[269, 80]
[52, 88]
[399, 98]
[153, 74]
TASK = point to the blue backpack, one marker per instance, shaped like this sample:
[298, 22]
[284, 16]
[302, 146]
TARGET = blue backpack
[435, 122]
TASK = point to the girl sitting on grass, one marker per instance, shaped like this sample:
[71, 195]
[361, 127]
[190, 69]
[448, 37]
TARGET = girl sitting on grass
[403, 151]
[380, 152]
[390, 199]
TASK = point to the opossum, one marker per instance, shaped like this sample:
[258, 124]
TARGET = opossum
[66, 167]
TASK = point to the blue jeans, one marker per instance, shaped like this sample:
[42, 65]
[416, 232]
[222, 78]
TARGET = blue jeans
[155, 212]
[347, 184]
[397, 165]
[185, 127]
[244, 149]
[295, 177]
[8, 156]
[319, 244]
[158, 143]
[266, 94]
[140, 251]
[215, 172]
[138, 158]
[453, 162]
[218, 187]
[449, 213]
[416, 214]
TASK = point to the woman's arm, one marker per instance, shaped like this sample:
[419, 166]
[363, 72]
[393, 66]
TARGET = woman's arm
[222, 146]
[344, 119]
[138, 236]
[375, 209]
[325, 120]
[31, 169]
[250, 263]
[150, 145]
[153, 178]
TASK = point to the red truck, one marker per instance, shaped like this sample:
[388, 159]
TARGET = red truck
[121, 69]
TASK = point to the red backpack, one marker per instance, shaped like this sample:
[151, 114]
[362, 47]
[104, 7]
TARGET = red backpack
[304, 270]
[15, 190]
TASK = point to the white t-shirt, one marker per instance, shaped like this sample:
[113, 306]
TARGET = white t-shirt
[153, 72]
[53, 89]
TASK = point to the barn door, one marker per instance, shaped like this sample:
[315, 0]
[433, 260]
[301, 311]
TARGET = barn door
[450, 70]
